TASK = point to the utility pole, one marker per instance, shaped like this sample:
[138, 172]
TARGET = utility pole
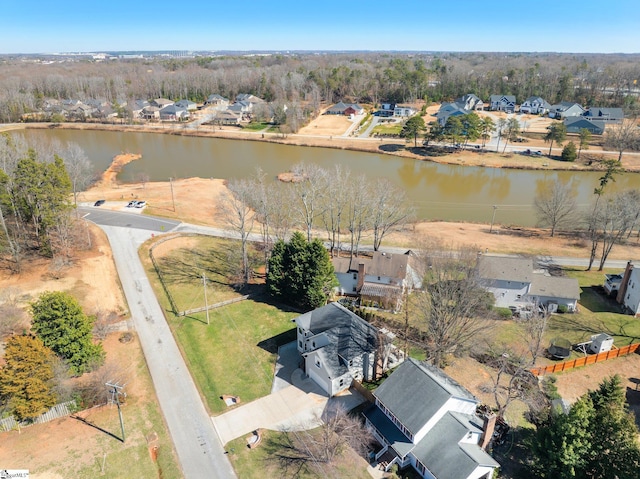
[493, 218]
[173, 201]
[206, 304]
[116, 391]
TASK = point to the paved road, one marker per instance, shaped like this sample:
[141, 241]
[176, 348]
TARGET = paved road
[126, 219]
[197, 444]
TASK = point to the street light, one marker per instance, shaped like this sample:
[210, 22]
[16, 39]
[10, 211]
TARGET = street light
[495, 208]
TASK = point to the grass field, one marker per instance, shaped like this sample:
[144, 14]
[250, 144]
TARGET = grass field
[387, 129]
[234, 354]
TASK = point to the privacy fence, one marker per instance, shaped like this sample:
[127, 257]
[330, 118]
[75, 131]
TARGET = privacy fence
[590, 359]
[59, 410]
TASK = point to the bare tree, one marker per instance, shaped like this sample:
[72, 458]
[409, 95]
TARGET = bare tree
[336, 208]
[614, 219]
[310, 194]
[237, 213]
[317, 449]
[78, 167]
[358, 212]
[453, 308]
[13, 318]
[622, 137]
[593, 220]
[555, 205]
[390, 210]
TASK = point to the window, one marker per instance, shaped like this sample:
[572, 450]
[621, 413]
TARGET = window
[341, 382]
[354, 289]
[313, 344]
[355, 275]
[300, 343]
[378, 278]
[317, 363]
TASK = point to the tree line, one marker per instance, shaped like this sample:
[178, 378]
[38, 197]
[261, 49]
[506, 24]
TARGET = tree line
[309, 79]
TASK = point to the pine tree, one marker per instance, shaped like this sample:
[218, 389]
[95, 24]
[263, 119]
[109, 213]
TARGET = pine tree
[60, 322]
[25, 379]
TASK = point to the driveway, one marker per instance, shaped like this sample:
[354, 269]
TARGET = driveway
[296, 403]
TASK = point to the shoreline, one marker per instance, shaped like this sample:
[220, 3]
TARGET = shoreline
[395, 147]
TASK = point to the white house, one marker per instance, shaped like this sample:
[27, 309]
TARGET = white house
[515, 283]
[403, 111]
[506, 103]
[535, 105]
[173, 113]
[425, 419]
[338, 347]
[381, 278]
[628, 294]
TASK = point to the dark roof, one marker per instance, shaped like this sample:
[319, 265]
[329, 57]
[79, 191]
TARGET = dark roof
[397, 440]
[443, 454]
[575, 123]
[505, 268]
[349, 335]
[604, 113]
[499, 98]
[416, 391]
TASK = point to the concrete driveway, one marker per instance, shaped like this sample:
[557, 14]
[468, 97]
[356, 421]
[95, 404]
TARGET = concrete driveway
[296, 403]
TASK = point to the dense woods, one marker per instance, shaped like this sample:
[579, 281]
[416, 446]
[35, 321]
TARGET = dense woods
[590, 79]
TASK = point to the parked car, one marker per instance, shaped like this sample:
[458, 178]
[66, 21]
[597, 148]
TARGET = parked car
[131, 204]
[99, 203]
[141, 204]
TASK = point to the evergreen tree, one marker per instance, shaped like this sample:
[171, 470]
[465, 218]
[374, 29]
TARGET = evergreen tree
[60, 322]
[569, 152]
[412, 128]
[597, 439]
[300, 272]
[25, 379]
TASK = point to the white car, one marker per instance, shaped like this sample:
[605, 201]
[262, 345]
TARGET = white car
[141, 204]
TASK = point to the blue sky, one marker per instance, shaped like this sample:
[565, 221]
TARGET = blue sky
[46, 26]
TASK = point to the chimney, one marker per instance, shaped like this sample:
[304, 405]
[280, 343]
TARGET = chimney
[488, 427]
[360, 277]
[624, 283]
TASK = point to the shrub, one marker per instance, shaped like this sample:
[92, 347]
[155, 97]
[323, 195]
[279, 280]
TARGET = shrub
[503, 313]
[562, 308]
[569, 152]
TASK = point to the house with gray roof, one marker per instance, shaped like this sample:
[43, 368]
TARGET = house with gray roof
[610, 115]
[566, 109]
[470, 102]
[161, 102]
[174, 113]
[187, 105]
[517, 283]
[338, 347]
[426, 420]
[342, 108]
[506, 103]
[216, 100]
[380, 279]
[576, 123]
[448, 110]
[535, 105]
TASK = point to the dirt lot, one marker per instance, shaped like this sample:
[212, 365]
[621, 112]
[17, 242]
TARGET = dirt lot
[327, 125]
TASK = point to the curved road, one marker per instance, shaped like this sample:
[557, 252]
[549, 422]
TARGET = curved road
[197, 444]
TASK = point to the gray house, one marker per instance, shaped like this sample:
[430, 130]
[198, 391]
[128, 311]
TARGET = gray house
[576, 123]
[535, 105]
[448, 110]
[338, 347]
[565, 109]
[516, 283]
[610, 115]
[506, 103]
[426, 420]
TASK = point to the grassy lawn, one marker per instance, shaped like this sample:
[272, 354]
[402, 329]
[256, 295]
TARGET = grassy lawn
[257, 126]
[235, 354]
[263, 462]
[387, 129]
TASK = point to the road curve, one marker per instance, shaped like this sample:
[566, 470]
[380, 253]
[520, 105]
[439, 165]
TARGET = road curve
[198, 447]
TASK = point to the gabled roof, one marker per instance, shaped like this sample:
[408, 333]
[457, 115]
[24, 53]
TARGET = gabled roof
[444, 455]
[248, 98]
[500, 98]
[349, 335]
[566, 105]
[554, 287]
[575, 123]
[539, 100]
[161, 102]
[215, 96]
[391, 265]
[604, 113]
[505, 268]
[416, 391]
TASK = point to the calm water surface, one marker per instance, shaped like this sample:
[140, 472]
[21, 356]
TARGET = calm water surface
[446, 192]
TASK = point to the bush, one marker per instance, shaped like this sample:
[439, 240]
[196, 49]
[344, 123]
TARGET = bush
[562, 308]
[503, 313]
[569, 152]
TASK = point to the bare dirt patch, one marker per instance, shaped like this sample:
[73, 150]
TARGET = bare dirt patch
[327, 125]
[108, 178]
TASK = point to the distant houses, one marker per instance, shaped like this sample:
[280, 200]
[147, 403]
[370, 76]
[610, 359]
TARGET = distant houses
[535, 105]
[346, 109]
[506, 103]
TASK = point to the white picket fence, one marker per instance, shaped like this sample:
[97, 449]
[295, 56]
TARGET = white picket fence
[59, 410]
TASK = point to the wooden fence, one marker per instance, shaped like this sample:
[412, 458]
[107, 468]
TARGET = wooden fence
[59, 410]
[213, 306]
[590, 359]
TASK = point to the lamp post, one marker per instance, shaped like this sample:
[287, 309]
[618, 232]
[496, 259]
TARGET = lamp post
[495, 208]
[173, 201]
